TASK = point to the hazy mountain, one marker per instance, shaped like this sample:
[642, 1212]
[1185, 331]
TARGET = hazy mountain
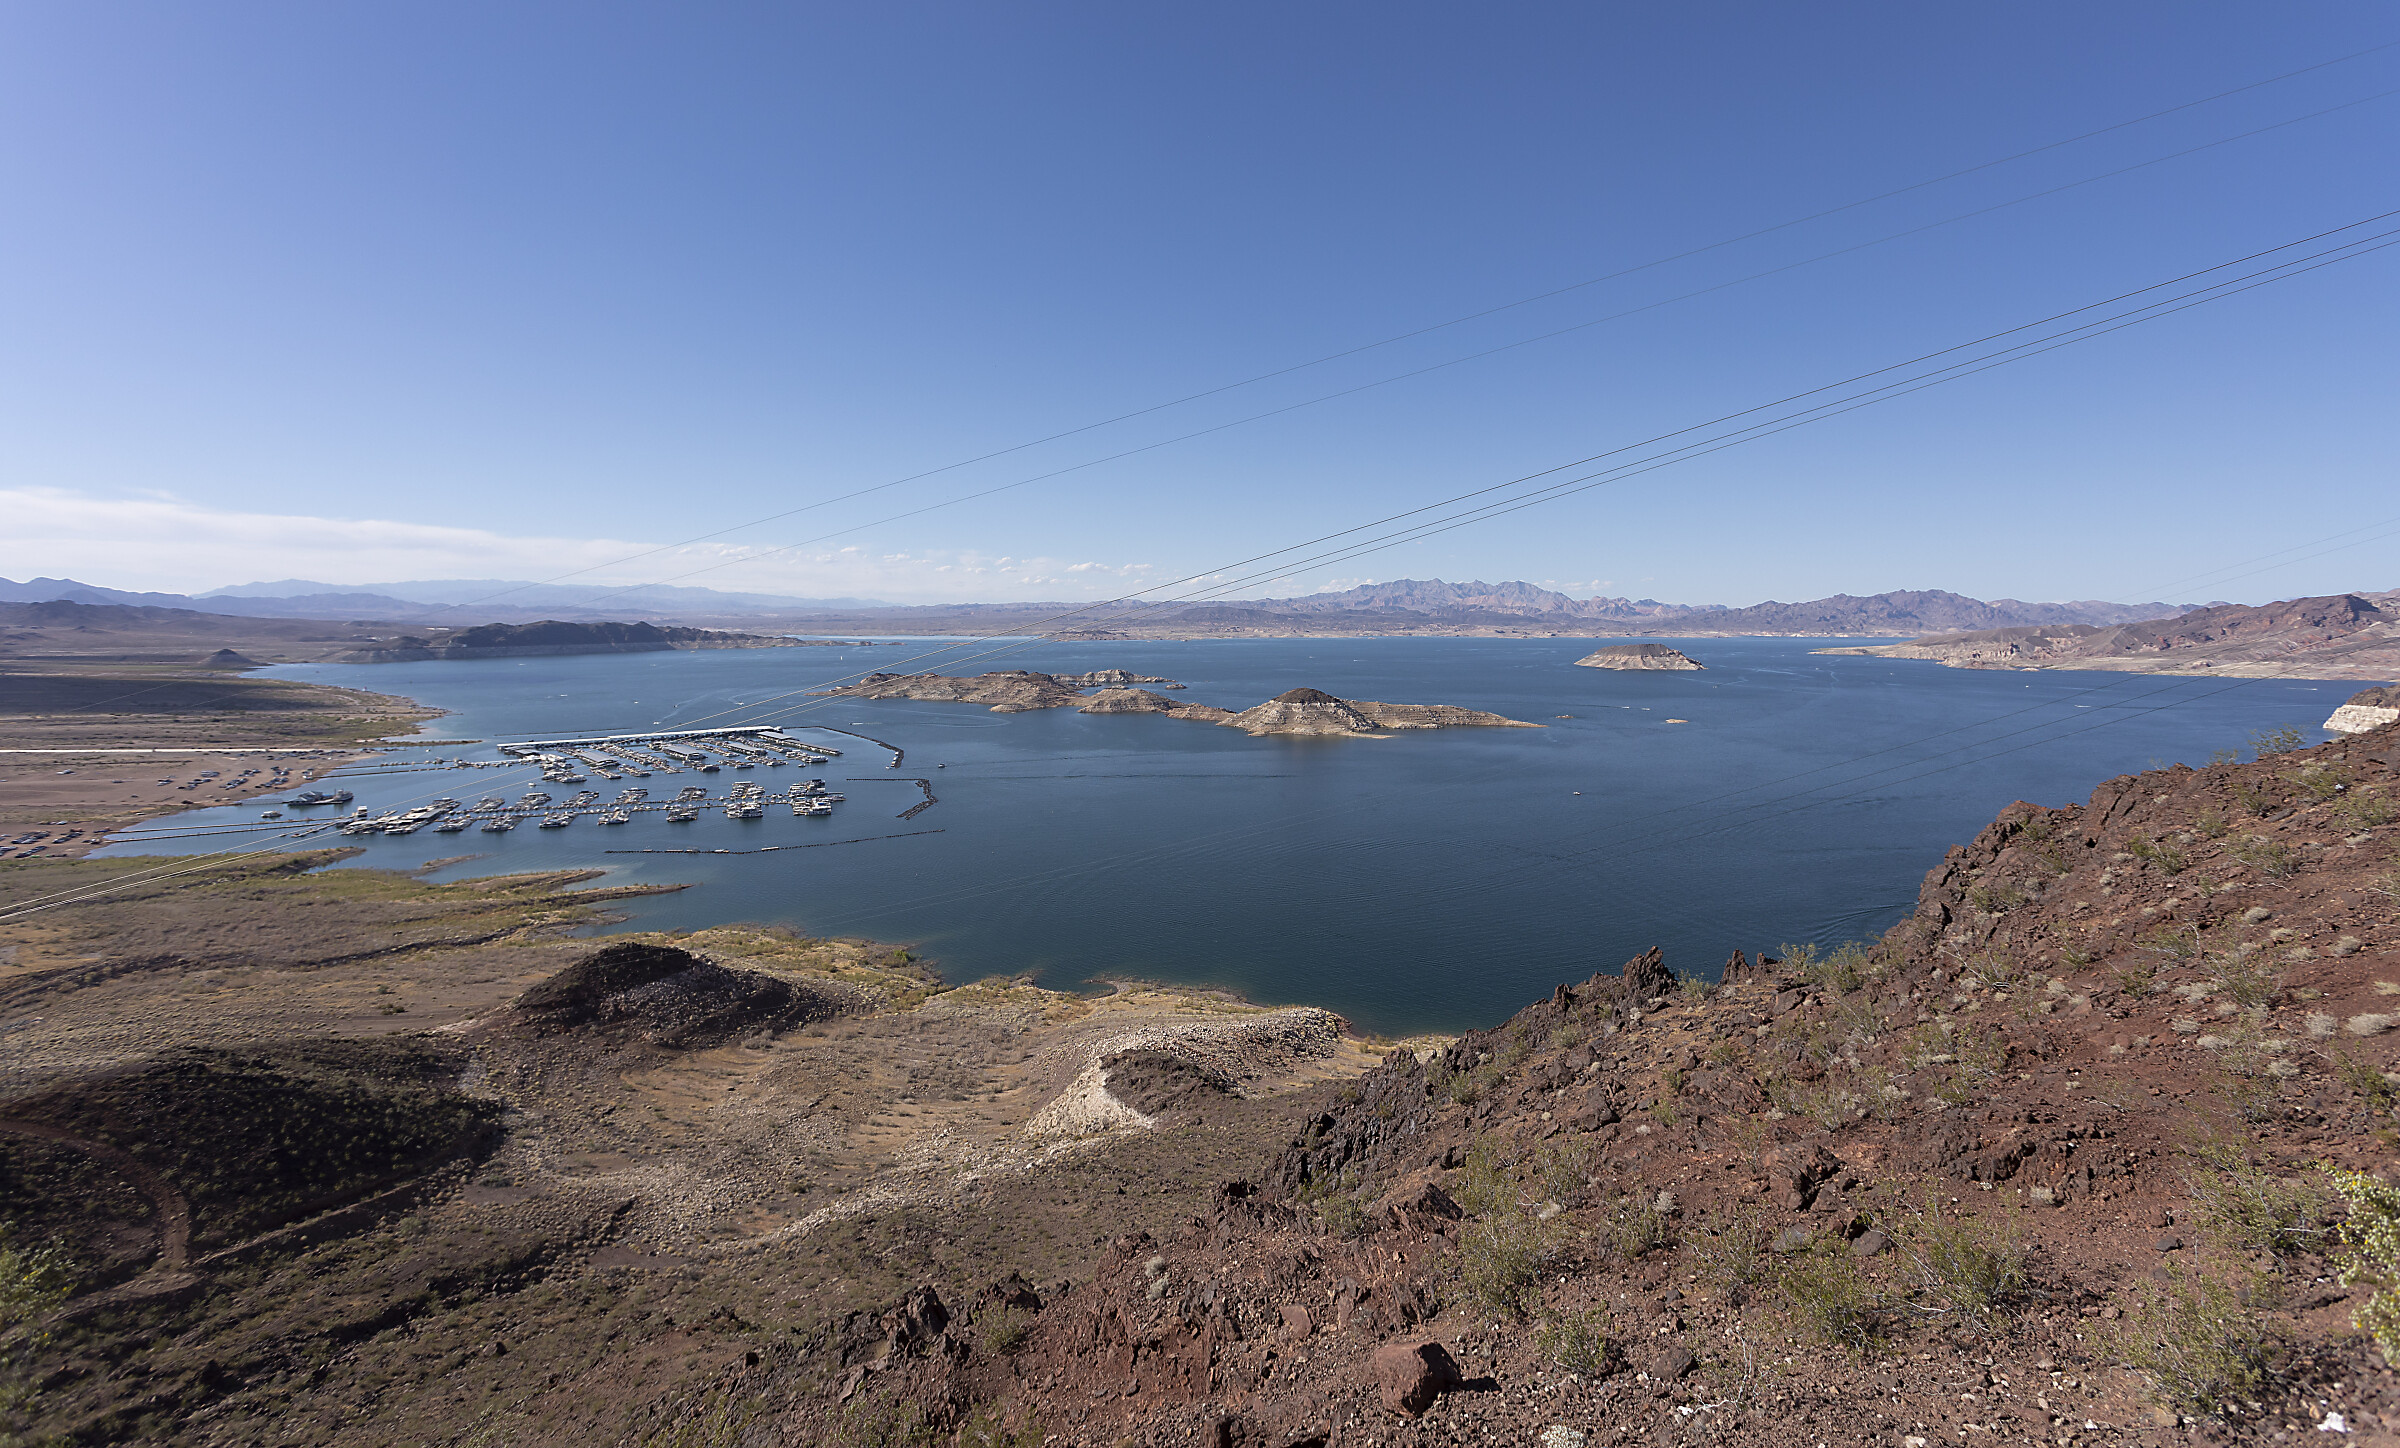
[516, 594]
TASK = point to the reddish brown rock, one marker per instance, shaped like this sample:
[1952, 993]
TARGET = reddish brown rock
[1410, 1375]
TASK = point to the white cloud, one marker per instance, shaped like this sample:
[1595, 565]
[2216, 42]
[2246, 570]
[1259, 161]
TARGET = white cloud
[158, 542]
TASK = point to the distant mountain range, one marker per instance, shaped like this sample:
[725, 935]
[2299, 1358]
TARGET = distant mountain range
[451, 601]
[1404, 606]
[1904, 612]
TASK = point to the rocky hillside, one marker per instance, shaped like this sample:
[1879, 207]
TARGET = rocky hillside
[2340, 636]
[2045, 1163]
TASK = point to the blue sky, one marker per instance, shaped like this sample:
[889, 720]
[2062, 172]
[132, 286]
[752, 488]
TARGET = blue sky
[358, 292]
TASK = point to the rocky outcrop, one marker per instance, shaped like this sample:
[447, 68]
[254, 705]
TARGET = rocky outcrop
[1006, 691]
[1142, 701]
[1302, 711]
[2368, 709]
[1636, 656]
[1313, 711]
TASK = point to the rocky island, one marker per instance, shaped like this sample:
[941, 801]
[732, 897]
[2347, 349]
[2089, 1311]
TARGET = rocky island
[1636, 656]
[1295, 711]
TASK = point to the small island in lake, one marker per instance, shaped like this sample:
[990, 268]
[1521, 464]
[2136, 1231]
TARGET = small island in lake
[1636, 656]
[1295, 711]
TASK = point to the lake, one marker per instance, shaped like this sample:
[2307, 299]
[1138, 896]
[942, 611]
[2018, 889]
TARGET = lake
[1429, 880]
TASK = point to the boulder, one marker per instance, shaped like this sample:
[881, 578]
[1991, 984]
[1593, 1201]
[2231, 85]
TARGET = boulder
[1410, 1375]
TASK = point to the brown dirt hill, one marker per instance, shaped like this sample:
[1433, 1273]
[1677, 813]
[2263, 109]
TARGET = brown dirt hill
[2040, 1163]
[670, 998]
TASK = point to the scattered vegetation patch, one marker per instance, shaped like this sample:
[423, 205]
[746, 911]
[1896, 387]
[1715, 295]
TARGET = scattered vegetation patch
[1969, 1270]
[2370, 1254]
[2198, 1341]
[1830, 1300]
[255, 1138]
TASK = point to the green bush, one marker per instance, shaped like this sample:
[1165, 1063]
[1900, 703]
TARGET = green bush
[33, 1280]
[2197, 1341]
[2165, 854]
[1501, 1258]
[1968, 1268]
[2284, 740]
[1579, 1342]
[2250, 980]
[1830, 1300]
[1729, 1248]
[1004, 1332]
[2362, 810]
[2370, 1254]
[1638, 1227]
[2321, 781]
[2271, 858]
[2249, 1208]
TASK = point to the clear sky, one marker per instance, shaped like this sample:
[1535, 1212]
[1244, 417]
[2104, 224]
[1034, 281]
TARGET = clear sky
[359, 292]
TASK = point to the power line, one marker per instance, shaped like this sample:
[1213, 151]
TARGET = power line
[1478, 314]
[1683, 452]
[1434, 367]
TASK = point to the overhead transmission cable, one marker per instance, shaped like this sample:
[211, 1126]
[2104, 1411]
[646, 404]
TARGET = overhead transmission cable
[994, 490]
[1501, 497]
[1479, 314]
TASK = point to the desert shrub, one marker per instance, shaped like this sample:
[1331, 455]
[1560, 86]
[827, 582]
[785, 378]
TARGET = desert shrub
[1851, 965]
[1728, 1248]
[1696, 988]
[1996, 897]
[2197, 1341]
[1800, 959]
[1637, 1227]
[2370, 1254]
[2363, 810]
[33, 1280]
[1578, 1341]
[1488, 1184]
[2286, 739]
[1344, 1216]
[1561, 1168]
[2321, 781]
[2364, 1078]
[1969, 1269]
[2174, 943]
[2211, 824]
[2250, 980]
[1991, 969]
[885, 1420]
[1501, 1257]
[1004, 1332]
[2253, 796]
[2271, 858]
[986, 1427]
[1981, 1053]
[2248, 1207]
[2135, 975]
[1830, 1300]
[2165, 854]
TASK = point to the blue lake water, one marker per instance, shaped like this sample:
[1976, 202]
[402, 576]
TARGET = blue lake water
[1427, 880]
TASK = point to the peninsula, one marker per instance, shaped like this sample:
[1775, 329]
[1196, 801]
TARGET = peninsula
[2337, 636]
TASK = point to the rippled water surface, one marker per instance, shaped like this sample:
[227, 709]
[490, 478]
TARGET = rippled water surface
[1425, 880]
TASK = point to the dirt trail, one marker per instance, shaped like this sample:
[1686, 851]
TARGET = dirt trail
[174, 1213]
